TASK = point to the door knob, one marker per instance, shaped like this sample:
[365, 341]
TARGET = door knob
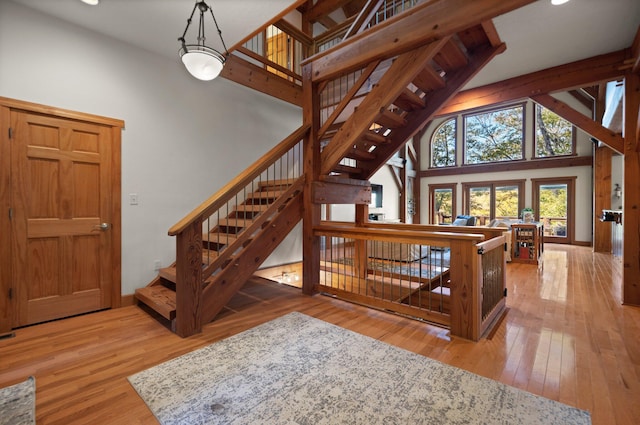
[103, 226]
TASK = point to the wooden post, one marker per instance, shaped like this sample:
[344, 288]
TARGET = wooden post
[631, 204]
[311, 210]
[189, 280]
[361, 255]
[602, 186]
[465, 278]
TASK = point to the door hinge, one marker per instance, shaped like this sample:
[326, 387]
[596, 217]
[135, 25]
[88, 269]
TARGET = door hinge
[10, 133]
[10, 213]
[10, 293]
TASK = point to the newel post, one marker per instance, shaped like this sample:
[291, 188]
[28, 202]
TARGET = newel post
[189, 280]
[465, 279]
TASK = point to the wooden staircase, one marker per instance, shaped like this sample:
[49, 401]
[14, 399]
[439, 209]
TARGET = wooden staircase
[364, 131]
[393, 92]
[241, 226]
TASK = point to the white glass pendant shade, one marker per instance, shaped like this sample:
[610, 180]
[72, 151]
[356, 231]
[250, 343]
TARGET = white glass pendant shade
[558, 2]
[202, 62]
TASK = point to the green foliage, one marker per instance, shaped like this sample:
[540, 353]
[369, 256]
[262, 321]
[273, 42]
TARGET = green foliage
[444, 201]
[443, 145]
[507, 201]
[554, 135]
[494, 136]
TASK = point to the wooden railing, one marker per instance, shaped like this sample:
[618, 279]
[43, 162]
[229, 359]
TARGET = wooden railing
[281, 170]
[279, 48]
[450, 278]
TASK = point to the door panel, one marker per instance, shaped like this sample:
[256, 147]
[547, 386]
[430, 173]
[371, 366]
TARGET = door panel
[61, 174]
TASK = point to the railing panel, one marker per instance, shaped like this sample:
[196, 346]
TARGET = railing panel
[493, 284]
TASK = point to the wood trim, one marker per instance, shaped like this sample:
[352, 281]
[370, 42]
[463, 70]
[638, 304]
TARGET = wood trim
[6, 303]
[59, 112]
[531, 164]
[571, 205]
[613, 140]
[234, 186]
[116, 216]
[420, 25]
[432, 200]
[577, 74]
[127, 300]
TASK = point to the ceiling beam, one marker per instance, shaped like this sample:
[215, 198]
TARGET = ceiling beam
[586, 124]
[324, 8]
[249, 75]
[420, 25]
[577, 74]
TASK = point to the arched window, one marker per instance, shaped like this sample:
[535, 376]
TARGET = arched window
[443, 145]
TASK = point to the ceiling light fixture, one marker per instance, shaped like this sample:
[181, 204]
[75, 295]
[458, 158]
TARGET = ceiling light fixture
[558, 2]
[91, 2]
[202, 61]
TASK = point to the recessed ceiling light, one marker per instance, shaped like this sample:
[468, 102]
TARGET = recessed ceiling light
[95, 2]
[558, 2]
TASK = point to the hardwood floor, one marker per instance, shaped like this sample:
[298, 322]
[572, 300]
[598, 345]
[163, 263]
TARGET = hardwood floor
[565, 336]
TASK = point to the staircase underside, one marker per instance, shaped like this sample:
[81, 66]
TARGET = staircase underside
[406, 92]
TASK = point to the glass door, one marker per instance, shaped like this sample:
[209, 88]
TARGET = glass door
[553, 205]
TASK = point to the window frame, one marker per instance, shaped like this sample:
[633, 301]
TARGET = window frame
[571, 205]
[432, 199]
[534, 139]
[453, 118]
[464, 116]
[466, 196]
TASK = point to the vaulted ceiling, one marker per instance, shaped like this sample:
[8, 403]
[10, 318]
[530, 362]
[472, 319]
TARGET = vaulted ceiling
[538, 36]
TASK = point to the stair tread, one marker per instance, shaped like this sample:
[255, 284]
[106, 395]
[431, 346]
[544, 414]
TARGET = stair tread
[266, 194]
[160, 299]
[235, 222]
[373, 137]
[390, 119]
[409, 101]
[251, 207]
[277, 182]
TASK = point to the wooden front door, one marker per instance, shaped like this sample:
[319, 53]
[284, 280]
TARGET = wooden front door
[64, 176]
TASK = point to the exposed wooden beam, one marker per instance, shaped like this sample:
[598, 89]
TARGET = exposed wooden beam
[406, 31]
[581, 73]
[363, 18]
[325, 192]
[531, 164]
[324, 8]
[295, 32]
[602, 198]
[581, 121]
[249, 75]
[434, 101]
[402, 71]
[635, 53]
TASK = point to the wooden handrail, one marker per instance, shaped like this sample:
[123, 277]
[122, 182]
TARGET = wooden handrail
[393, 235]
[267, 62]
[234, 186]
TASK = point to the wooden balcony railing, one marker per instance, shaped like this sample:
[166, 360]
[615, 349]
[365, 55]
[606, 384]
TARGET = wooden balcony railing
[204, 242]
[449, 278]
[279, 48]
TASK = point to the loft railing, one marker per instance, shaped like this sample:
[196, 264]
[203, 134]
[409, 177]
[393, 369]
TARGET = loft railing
[279, 48]
[453, 279]
[373, 13]
[204, 243]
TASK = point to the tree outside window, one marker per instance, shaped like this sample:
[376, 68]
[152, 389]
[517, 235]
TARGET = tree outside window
[443, 145]
[494, 136]
[554, 135]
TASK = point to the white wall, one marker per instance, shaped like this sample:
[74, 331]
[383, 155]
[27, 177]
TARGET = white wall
[584, 181]
[183, 140]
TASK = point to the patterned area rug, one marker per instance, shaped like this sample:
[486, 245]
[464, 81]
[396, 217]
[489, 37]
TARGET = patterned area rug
[18, 403]
[301, 370]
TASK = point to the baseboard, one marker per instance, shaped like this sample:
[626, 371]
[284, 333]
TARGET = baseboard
[127, 300]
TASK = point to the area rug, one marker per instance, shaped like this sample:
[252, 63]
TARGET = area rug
[301, 370]
[18, 403]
